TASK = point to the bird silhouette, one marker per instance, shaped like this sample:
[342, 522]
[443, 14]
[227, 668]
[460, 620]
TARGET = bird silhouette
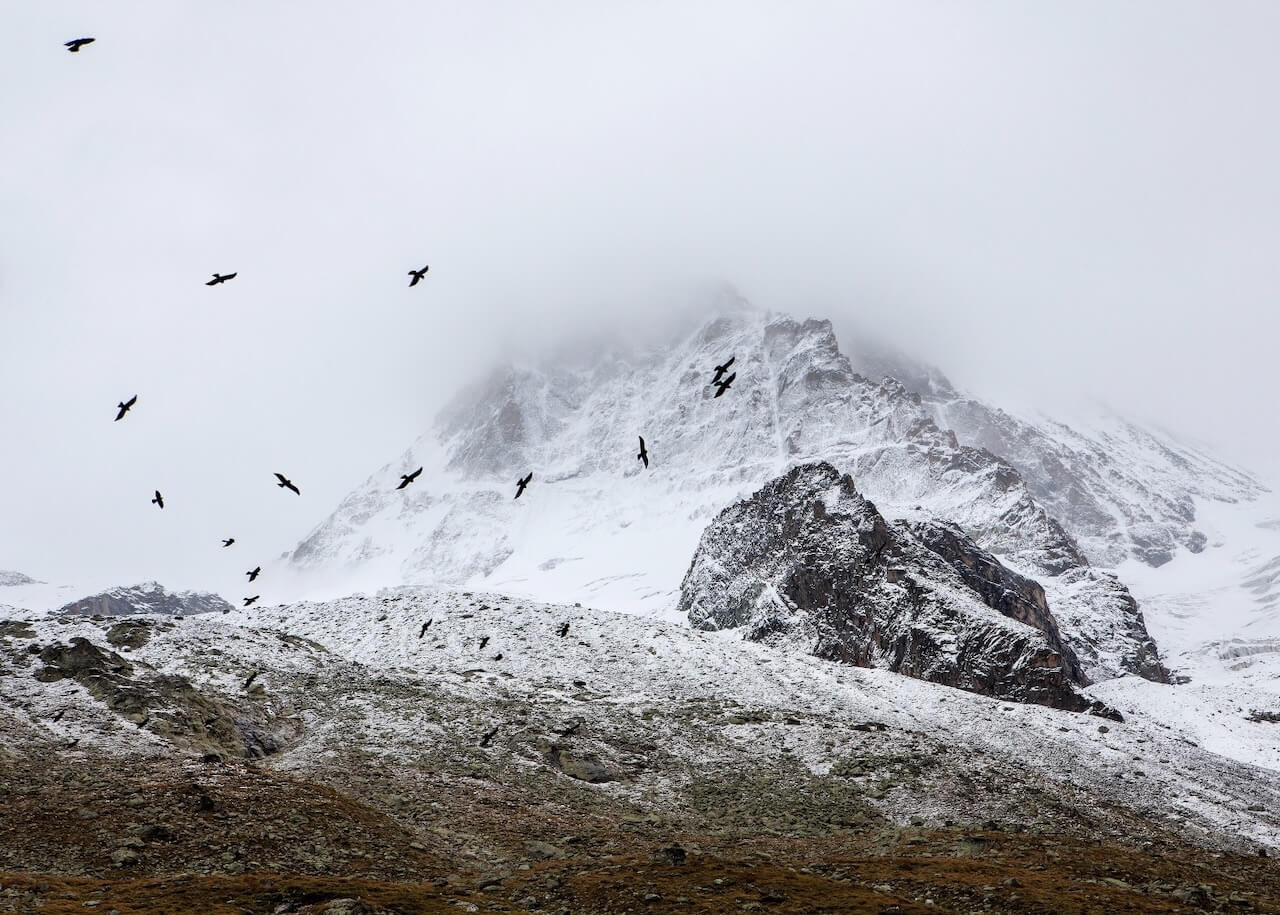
[286, 483]
[644, 453]
[484, 640]
[564, 630]
[522, 483]
[722, 386]
[488, 736]
[425, 627]
[251, 600]
[58, 716]
[226, 543]
[417, 276]
[407, 478]
[721, 369]
[76, 44]
[125, 406]
[158, 500]
[571, 729]
[253, 575]
[220, 278]
[253, 676]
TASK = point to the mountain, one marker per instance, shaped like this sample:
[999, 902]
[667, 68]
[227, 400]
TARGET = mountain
[147, 598]
[10, 579]
[808, 562]
[595, 526]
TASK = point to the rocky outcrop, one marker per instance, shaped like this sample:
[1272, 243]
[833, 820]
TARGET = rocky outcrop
[808, 561]
[165, 704]
[149, 597]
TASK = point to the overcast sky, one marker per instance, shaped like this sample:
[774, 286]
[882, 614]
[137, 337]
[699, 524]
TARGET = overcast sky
[1044, 199]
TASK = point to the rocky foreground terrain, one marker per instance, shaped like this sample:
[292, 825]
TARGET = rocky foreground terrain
[348, 757]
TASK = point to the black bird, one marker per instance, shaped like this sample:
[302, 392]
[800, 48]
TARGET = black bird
[721, 369]
[226, 543]
[253, 676]
[158, 500]
[722, 386]
[286, 483]
[564, 629]
[253, 575]
[220, 278]
[124, 407]
[571, 729]
[488, 736]
[407, 478]
[484, 640]
[58, 716]
[522, 483]
[498, 656]
[417, 276]
[425, 627]
[251, 600]
[76, 44]
[644, 454]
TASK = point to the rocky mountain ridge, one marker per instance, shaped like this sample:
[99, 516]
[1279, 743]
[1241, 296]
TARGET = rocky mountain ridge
[146, 598]
[808, 562]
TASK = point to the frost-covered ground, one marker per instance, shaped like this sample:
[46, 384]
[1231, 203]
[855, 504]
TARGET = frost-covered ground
[662, 708]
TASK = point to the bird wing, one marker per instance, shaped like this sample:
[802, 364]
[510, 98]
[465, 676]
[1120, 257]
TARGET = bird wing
[214, 282]
[414, 475]
[131, 401]
[229, 276]
[728, 381]
[284, 481]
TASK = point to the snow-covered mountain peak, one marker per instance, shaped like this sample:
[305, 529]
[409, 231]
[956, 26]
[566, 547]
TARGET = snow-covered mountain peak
[595, 525]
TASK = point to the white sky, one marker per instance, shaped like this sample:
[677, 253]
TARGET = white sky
[1044, 199]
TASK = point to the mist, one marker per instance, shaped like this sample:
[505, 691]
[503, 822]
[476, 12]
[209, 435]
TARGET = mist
[1045, 201]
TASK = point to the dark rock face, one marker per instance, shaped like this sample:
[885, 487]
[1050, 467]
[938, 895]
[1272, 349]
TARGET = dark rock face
[146, 598]
[808, 561]
[1001, 589]
[167, 705]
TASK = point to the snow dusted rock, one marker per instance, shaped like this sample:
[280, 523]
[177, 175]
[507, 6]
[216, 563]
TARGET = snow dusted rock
[149, 597]
[9, 579]
[808, 562]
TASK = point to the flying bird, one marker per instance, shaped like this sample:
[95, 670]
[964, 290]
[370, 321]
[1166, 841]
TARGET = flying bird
[484, 640]
[251, 600]
[488, 736]
[253, 575]
[417, 276]
[158, 500]
[522, 483]
[286, 483]
[571, 729]
[425, 627]
[58, 716]
[721, 369]
[220, 278]
[125, 406]
[564, 630]
[226, 543]
[644, 454]
[75, 44]
[407, 478]
[722, 386]
[253, 676]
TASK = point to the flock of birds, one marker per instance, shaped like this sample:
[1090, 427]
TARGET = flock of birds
[721, 381]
